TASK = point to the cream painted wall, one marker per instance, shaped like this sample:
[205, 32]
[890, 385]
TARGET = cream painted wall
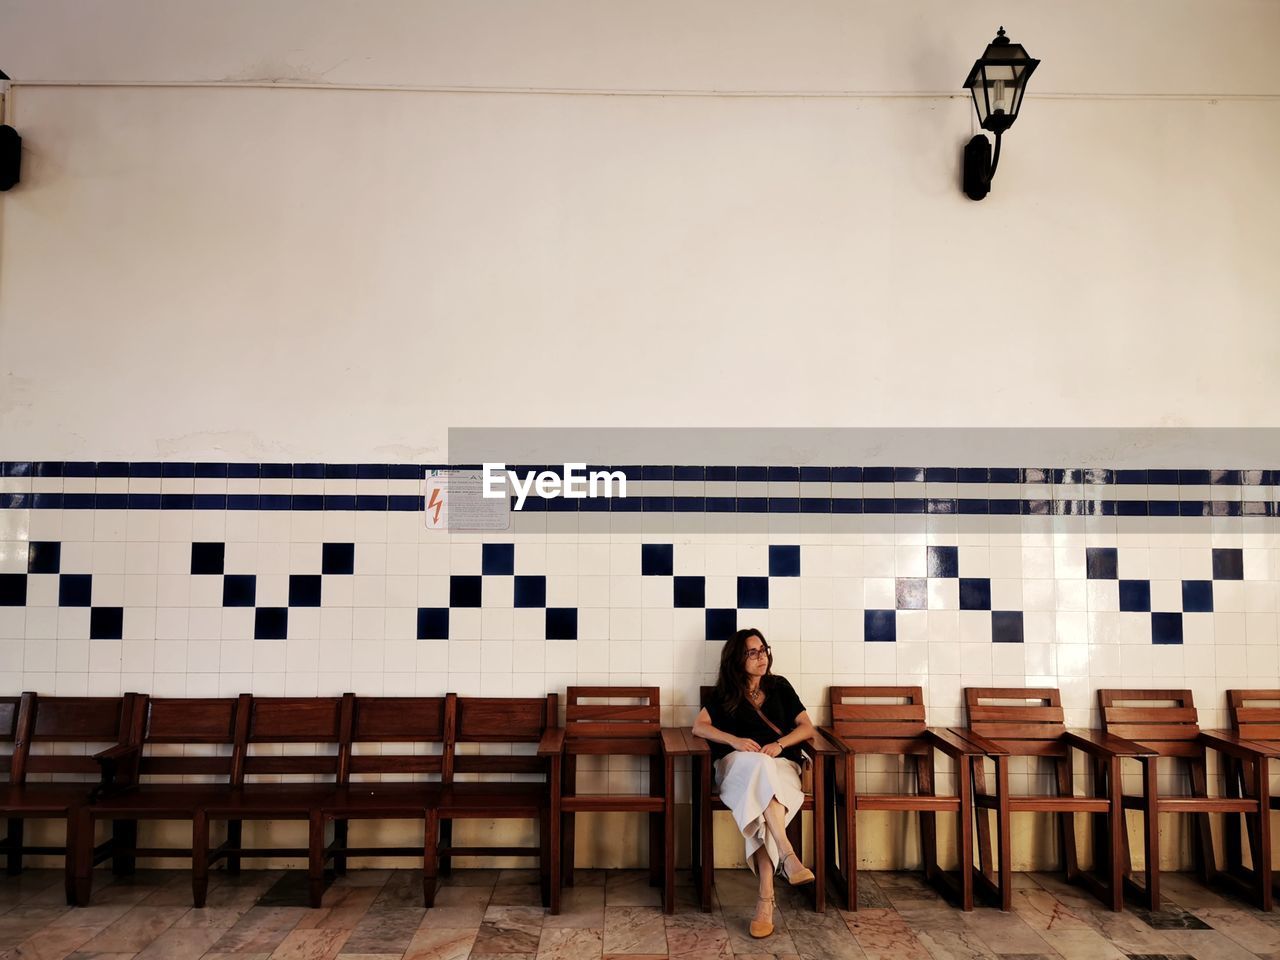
[334, 274]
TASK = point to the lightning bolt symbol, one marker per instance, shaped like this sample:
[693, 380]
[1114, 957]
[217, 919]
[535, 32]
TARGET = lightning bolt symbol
[436, 501]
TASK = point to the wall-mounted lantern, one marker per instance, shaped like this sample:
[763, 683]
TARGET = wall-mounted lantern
[997, 81]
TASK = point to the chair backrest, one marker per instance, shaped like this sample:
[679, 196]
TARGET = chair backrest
[9, 708]
[604, 726]
[885, 720]
[50, 721]
[1027, 722]
[1161, 720]
[501, 720]
[166, 722]
[278, 723]
[1255, 714]
[406, 721]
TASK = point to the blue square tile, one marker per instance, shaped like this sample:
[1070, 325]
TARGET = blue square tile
[433, 623]
[784, 474]
[784, 561]
[562, 623]
[338, 558]
[464, 591]
[943, 561]
[721, 624]
[239, 590]
[657, 559]
[44, 557]
[1197, 596]
[13, 589]
[1101, 563]
[106, 623]
[1228, 563]
[74, 589]
[879, 626]
[304, 590]
[271, 623]
[208, 558]
[690, 592]
[912, 593]
[1006, 626]
[1135, 595]
[753, 593]
[752, 474]
[530, 591]
[1166, 628]
[975, 593]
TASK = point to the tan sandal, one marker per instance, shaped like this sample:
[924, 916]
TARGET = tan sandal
[762, 928]
[802, 876]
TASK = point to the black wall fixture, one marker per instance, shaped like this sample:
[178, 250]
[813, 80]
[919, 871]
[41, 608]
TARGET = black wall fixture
[10, 142]
[997, 82]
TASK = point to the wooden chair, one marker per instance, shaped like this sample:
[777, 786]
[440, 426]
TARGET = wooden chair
[706, 800]
[894, 725]
[1009, 722]
[1255, 717]
[634, 730]
[401, 721]
[506, 720]
[51, 723]
[267, 730]
[1166, 723]
[144, 779]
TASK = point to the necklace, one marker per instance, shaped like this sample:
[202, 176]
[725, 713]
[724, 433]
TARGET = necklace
[755, 696]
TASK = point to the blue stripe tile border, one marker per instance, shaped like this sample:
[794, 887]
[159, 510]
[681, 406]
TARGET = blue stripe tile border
[1094, 489]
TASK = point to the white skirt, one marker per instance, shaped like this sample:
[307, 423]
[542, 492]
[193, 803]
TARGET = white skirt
[747, 782]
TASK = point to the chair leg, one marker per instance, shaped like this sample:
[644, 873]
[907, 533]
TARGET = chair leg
[1067, 821]
[964, 834]
[80, 846]
[1206, 859]
[13, 840]
[928, 819]
[668, 835]
[819, 837]
[315, 859]
[983, 817]
[235, 840]
[1260, 837]
[340, 830]
[553, 868]
[568, 823]
[1006, 851]
[655, 823]
[1117, 836]
[430, 859]
[124, 840]
[446, 843]
[1151, 833]
[199, 857]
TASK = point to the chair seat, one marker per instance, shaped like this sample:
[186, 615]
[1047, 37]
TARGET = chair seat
[905, 802]
[986, 801]
[271, 799]
[384, 799]
[178, 800]
[33, 798]
[718, 804]
[612, 803]
[493, 799]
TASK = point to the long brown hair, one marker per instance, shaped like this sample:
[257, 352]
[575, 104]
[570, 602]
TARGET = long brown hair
[731, 683]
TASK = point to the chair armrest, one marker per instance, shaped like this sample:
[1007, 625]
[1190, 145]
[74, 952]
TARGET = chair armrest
[674, 743]
[695, 744]
[1098, 743]
[115, 754]
[834, 738]
[109, 761]
[819, 746]
[950, 744]
[1227, 742]
[552, 742]
[980, 744]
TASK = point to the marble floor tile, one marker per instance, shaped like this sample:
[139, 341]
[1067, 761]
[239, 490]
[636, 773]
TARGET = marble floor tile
[509, 930]
[441, 943]
[883, 934]
[570, 943]
[580, 907]
[135, 930]
[311, 945]
[630, 888]
[634, 930]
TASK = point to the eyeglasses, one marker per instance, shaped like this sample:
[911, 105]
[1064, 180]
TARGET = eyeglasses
[758, 653]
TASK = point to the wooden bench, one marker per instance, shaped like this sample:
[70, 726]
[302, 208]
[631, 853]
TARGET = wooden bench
[1009, 722]
[1255, 717]
[706, 800]
[506, 721]
[890, 721]
[1166, 723]
[149, 778]
[633, 729]
[402, 723]
[39, 727]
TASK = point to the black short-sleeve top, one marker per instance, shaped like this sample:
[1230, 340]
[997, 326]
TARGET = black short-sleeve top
[781, 705]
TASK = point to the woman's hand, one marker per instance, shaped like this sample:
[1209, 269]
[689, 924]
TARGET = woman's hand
[772, 749]
[745, 744]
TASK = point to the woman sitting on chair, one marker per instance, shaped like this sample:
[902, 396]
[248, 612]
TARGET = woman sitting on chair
[755, 723]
